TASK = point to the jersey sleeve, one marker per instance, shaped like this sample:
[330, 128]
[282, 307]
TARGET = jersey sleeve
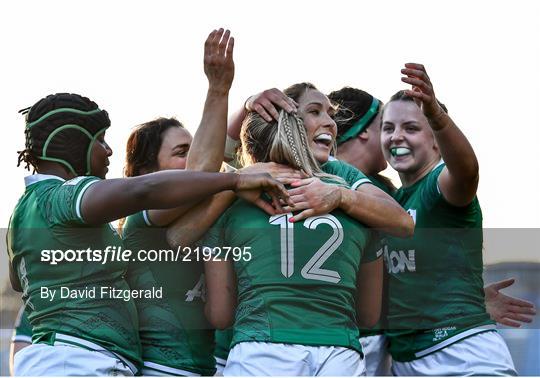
[431, 193]
[353, 176]
[23, 330]
[63, 203]
[373, 249]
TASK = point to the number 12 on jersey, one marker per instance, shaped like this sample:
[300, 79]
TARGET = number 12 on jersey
[312, 270]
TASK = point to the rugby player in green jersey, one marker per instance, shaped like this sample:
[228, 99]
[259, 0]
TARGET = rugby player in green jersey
[175, 336]
[358, 138]
[368, 204]
[437, 320]
[297, 288]
[66, 207]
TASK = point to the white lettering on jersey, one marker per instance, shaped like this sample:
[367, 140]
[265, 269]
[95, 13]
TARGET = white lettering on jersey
[400, 261]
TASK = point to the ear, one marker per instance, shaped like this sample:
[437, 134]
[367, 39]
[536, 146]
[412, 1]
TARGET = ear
[363, 136]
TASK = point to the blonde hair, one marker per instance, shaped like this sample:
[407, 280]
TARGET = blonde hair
[284, 142]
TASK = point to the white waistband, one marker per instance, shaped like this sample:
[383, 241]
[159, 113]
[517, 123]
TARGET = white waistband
[62, 339]
[169, 370]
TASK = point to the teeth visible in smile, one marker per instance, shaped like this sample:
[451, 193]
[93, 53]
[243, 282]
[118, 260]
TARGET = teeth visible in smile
[400, 151]
[323, 137]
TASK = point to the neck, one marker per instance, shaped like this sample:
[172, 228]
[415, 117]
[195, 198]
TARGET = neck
[411, 178]
[55, 169]
[355, 156]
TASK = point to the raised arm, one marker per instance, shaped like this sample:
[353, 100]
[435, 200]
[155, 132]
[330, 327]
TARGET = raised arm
[206, 152]
[458, 181]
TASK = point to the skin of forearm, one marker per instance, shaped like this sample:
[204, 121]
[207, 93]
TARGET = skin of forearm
[183, 233]
[170, 188]
[455, 149]
[206, 151]
[235, 123]
[380, 213]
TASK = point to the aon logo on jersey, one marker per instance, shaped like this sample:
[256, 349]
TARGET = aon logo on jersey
[399, 261]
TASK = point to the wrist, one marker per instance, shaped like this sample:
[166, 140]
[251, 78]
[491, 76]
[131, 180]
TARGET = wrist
[438, 121]
[217, 91]
[344, 199]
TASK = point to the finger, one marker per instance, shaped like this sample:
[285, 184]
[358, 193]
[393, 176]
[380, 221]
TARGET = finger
[502, 284]
[418, 95]
[265, 206]
[286, 180]
[299, 199]
[509, 323]
[521, 310]
[276, 202]
[222, 46]
[262, 112]
[209, 40]
[294, 175]
[270, 108]
[415, 73]
[298, 206]
[230, 49]
[518, 317]
[303, 215]
[417, 83]
[416, 66]
[303, 182]
[282, 101]
[296, 191]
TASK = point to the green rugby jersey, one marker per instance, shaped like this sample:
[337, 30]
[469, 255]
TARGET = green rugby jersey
[352, 175]
[299, 286]
[173, 330]
[48, 217]
[22, 331]
[436, 294]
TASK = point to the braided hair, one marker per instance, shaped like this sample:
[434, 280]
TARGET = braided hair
[62, 128]
[283, 142]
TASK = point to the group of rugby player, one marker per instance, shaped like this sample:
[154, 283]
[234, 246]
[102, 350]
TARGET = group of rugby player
[313, 295]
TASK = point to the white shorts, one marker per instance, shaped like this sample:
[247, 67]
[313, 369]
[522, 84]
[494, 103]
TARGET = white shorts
[153, 369]
[220, 366]
[67, 360]
[482, 354]
[274, 359]
[378, 360]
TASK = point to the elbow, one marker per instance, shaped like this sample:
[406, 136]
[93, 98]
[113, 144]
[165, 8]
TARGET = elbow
[407, 227]
[173, 239]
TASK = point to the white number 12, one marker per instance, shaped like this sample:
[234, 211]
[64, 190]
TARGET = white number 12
[312, 270]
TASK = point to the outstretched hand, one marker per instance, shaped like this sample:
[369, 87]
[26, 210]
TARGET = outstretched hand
[218, 60]
[505, 309]
[267, 103]
[422, 89]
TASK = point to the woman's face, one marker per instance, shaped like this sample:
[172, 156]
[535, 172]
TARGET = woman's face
[99, 161]
[174, 148]
[407, 141]
[317, 112]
